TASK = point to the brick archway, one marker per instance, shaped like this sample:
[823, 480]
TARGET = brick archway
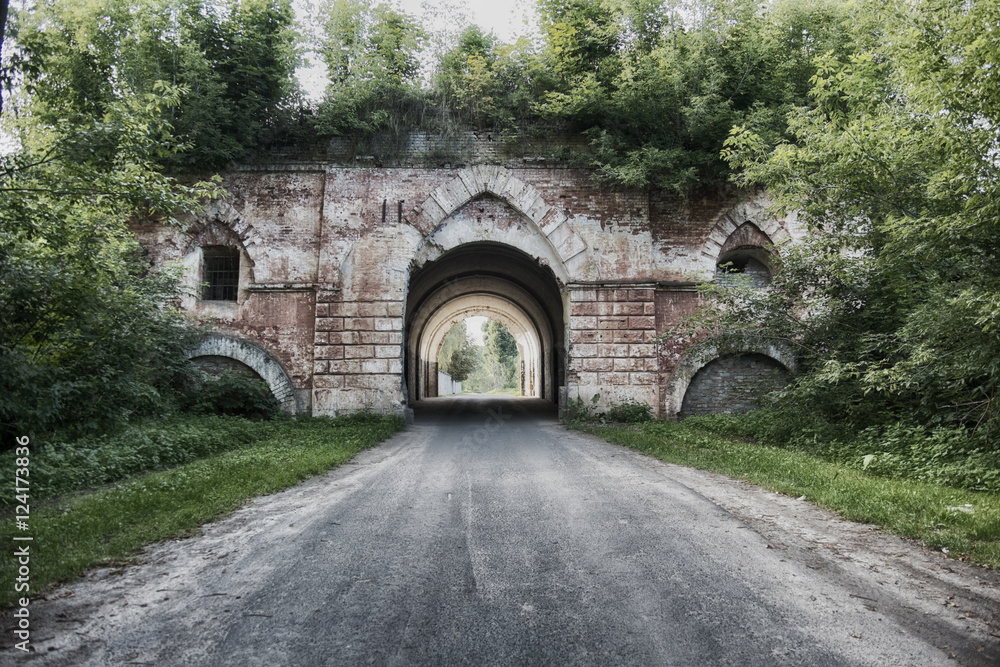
[755, 211]
[689, 366]
[500, 182]
[262, 362]
[497, 281]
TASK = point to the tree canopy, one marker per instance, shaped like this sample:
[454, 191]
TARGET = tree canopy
[893, 303]
[87, 334]
[654, 85]
[458, 357]
[231, 63]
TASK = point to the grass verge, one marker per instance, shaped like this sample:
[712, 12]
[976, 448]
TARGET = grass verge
[75, 532]
[966, 523]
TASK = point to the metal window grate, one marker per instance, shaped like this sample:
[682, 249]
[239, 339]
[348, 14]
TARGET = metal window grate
[222, 273]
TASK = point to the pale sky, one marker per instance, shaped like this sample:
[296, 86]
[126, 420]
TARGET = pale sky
[474, 328]
[508, 19]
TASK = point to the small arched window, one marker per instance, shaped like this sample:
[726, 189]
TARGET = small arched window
[744, 258]
[750, 263]
[221, 273]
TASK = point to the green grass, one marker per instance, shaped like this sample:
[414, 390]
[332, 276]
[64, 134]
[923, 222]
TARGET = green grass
[75, 532]
[913, 509]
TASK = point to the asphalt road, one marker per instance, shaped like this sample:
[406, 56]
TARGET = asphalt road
[488, 534]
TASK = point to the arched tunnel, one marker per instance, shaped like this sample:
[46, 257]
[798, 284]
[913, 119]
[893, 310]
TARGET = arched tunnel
[501, 283]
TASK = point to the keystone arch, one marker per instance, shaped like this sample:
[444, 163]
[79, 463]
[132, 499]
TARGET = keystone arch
[568, 249]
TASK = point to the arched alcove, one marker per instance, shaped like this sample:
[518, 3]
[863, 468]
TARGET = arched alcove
[732, 383]
[689, 366]
[252, 356]
[745, 256]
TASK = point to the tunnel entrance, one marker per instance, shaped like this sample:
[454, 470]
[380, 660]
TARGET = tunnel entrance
[489, 280]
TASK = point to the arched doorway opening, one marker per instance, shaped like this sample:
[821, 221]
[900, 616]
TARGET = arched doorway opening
[488, 280]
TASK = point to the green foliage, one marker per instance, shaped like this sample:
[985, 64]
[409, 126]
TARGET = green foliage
[87, 336]
[232, 63]
[65, 466]
[891, 304]
[363, 43]
[489, 85]
[500, 356]
[372, 55]
[656, 88]
[895, 448]
[231, 393]
[629, 411]
[84, 530]
[458, 357]
[578, 411]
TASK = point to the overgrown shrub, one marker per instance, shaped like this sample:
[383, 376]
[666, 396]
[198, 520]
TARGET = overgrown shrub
[629, 411]
[232, 393]
[60, 467]
[63, 466]
[947, 455]
[578, 411]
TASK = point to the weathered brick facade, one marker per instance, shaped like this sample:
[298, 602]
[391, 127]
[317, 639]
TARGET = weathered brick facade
[732, 383]
[349, 274]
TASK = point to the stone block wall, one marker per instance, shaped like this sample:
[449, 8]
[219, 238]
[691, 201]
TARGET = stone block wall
[358, 355]
[612, 344]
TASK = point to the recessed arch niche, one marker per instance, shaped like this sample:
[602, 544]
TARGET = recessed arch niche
[745, 253]
[215, 348]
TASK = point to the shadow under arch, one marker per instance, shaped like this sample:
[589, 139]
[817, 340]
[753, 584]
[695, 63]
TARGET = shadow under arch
[497, 281]
[690, 364]
[259, 360]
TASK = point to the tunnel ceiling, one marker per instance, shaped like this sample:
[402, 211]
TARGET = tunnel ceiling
[486, 260]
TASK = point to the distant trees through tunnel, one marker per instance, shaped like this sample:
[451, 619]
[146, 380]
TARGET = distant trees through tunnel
[483, 355]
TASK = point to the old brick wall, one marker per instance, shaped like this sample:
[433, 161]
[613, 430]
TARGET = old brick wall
[327, 254]
[733, 383]
[612, 350]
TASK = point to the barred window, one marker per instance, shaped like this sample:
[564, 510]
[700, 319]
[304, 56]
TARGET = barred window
[222, 273]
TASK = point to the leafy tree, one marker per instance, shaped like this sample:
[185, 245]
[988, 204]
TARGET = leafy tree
[87, 334]
[657, 87]
[500, 355]
[372, 56]
[241, 80]
[4, 83]
[490, 85]
[892, 304]
[458, 357]
[233, 63]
